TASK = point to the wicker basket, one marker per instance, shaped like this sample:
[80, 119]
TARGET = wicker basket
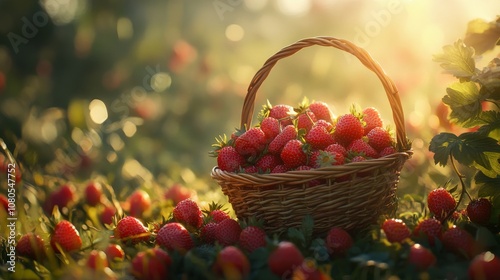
[283, 199]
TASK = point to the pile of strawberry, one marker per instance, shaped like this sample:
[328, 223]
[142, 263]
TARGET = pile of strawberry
[302, 138]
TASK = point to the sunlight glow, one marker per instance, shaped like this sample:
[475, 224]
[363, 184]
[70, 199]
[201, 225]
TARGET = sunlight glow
[235, 32]
[294, 7]
[124, 28]
[61, 11]
[98, 111]
[161, 81]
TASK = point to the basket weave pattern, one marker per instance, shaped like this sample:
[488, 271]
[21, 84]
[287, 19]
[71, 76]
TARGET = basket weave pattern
[351, 196]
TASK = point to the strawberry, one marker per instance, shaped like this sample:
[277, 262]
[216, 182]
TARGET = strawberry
[107, 214]
[65, 237]
[485, 266]
[131, 229]
[251, 169]
[337, 148]
[387, 151]
[188, 213]
[174, 236]
[4, 201]
[151, 264]
[459, 241]
[348, 129]
[431, 229]
[441, 203]
[271, 128]
[93, 193]
[228, 159]
[114, 253]
[280, 168]
[177, 192]
[284, 258]
[282, 113]
[358, 159]
[371, 118]
[62, 197]
[305, 120]
[139, 202]
[218, 215]
[293, 154]
[288, 133]
[319, 137]
[322, 158]
[321, 110]
[231, 263]
[327, 125]
[251, 142]
[267, 163]
[338, 241]
[207, 232]
[379, 138]
[227, 232]
[421, 257]
[479, 211]
[31, 246]
[251, 238]
[310, 183]
[360, 147]
[395, 230]
[97, 260]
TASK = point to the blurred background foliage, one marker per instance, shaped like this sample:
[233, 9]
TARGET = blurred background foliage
[140, 90]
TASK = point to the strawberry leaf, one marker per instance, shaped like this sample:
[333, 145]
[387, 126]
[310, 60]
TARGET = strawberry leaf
[441, 146]
[490, 124]
[465, 103]
[457, 60]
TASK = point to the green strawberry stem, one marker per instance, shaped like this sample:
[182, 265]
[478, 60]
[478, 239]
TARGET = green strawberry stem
[462, 184]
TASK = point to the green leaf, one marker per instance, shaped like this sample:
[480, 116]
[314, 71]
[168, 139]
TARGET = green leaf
[491, 123]
[485, 237]
[308, 227]
[482, 35]
[488, 186]
[441, 145]
[457, 59]
[465, 103]
[297, 237]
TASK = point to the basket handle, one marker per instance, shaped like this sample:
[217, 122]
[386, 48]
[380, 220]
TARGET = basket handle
[363, 56]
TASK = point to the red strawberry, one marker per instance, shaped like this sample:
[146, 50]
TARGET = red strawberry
[151, 264]
[93, 193]
[321, 110]
[284, 258]
[251, 238]
[131, 229]
[485, 266]
[218, 215]
[421, 257]
[282, 113]
[372, 119]
[311, 183]
[107, 214]
[327, 125]
[31, 246]
[319, 137]
[66, 237]
[271, 128]
[228, 159]
[4, 201]
[323, 159]
[395, 230]
[115, 253]
[360, 147]
[441, 203]
[280, 168]
[338, 241]
[459, 241]
[177, 192]
[430, 229]
[267, 163]
[479, 211]
[358, 159]
[348, 129]
[251, 142]
[293, 154]
[231, 263]
[387, 151]
[139, 202]
[337, 148]
[97, 260]
[174, 236]
[306, 120]
[379, 138]
[227, 232]
[61, 198]
[288, 133]
[252, 169]
[188, 213]
[207, 232]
